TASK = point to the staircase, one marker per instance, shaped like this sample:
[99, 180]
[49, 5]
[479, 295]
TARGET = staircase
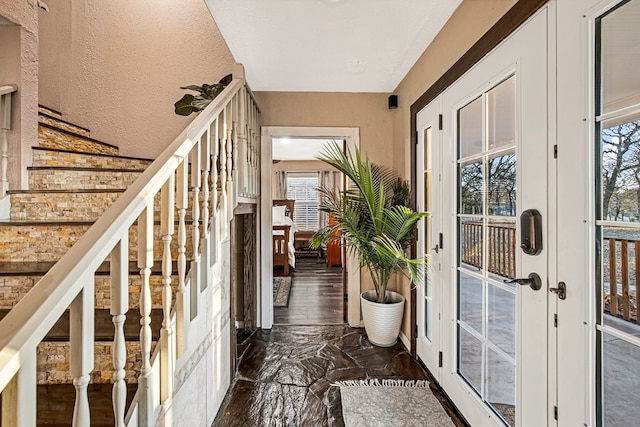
[140, 292]
[72, 181]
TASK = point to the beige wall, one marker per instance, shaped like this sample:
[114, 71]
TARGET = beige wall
[367, 111]
[471, 20]
[19, 65]
[116, 66]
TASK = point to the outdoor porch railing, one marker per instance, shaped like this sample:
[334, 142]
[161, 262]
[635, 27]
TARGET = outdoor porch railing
[501, 247]
[216, 157]
[623, 259]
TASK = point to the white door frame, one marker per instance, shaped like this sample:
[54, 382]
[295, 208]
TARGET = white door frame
[265, 293]
[429, 350]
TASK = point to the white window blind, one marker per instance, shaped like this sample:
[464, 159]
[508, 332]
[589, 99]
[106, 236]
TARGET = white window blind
[303, 188]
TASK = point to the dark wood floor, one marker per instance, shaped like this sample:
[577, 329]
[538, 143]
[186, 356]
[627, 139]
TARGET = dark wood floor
[285, 375]
[316, 295]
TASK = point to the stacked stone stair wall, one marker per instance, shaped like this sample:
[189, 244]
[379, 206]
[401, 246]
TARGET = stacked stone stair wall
[73, 180]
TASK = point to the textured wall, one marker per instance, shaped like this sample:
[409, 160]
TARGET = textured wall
[19, 65]
[468, 23]
[116, 67]
[368, 111]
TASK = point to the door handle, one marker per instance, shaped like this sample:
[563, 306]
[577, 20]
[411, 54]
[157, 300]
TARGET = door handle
[561, 290]
[533, 281]
[436, 248]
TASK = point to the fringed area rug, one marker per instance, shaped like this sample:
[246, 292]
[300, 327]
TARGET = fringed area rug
[281, 291]
[373, 403]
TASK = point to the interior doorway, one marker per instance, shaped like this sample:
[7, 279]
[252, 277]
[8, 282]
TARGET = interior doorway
[308, 283]
[323, 278]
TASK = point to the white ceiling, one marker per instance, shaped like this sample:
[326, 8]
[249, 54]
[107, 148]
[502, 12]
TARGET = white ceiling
[298, 148]
[329, 45]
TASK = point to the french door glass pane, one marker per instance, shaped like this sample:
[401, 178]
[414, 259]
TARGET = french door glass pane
[620, 58]
[501, 246]
[500, 386]
[487, 202]
[470, 236]
[501, 197]
[501, 318]
[621, 382]
[472, 188]
[471, 301]
[501, 106]
[470, 358]
[470, 128]
[618, 213]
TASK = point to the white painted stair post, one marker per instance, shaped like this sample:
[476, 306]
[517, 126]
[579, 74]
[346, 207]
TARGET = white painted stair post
[81, 358]
[195, 262]
[19, 406]
[205, 164]
[145, 262]
[182, 297]
[119, 307]
[167, 353]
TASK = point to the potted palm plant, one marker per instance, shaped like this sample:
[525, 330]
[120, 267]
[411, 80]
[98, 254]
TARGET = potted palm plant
[374, 220]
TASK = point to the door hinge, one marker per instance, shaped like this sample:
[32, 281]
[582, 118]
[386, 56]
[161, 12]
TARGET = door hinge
[440, 360]
[555, 151]
[555, 320]
[439, 121]
[555, 413]
[441, 241]
[415, 330]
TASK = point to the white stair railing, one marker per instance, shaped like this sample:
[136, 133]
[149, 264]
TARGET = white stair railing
[210, 147]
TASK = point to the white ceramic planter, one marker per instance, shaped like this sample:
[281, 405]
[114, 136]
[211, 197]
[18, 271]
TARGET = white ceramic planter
[382, 321]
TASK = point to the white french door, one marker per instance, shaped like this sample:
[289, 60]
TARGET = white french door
[598, 204]
[494, 152]
[429, 198]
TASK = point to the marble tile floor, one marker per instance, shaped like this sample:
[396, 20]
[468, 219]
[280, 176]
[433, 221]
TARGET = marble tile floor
[285, 375]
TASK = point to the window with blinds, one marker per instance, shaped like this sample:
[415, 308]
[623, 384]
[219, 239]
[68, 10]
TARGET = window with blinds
[303, 188]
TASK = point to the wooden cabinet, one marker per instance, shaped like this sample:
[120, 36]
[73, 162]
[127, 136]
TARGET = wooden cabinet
[334, 257]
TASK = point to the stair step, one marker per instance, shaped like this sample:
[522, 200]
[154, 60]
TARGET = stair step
[56, 401]
[52, 137]
[14, 288]
[59, 178]
[103, 325]
[49, 112]
[43, 156]
[53, 362]
[30, 241]
[69, 205]
[56, 121]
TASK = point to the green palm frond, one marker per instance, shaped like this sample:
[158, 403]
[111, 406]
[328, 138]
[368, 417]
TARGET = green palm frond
[373, 217]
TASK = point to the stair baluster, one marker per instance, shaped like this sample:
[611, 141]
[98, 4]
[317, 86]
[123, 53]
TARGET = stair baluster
[145, 262]
[195, 262]
[182, 300]
[222, 209]
[18, 405]
[230, 165]
[81, 338]
[167, 355]
[215, 226]
[205, 164]
[119, 306]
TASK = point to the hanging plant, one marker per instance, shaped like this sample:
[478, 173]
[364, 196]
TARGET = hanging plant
[206, 93]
